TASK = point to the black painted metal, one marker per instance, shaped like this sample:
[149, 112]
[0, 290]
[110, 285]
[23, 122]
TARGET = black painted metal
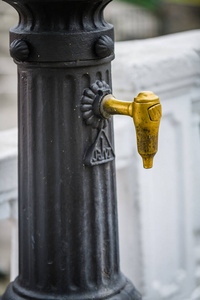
[68, 232]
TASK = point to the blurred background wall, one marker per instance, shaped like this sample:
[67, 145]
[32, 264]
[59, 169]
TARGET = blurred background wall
[8, 86]
[139, 19]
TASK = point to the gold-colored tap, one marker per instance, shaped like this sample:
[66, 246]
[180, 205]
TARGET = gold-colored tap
[146, 112]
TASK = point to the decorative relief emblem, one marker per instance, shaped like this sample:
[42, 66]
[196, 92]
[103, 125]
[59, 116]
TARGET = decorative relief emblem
[90, 104]
[100, 152]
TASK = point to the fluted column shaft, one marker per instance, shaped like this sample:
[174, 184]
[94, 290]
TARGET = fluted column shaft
[68, 231]
[68, 219]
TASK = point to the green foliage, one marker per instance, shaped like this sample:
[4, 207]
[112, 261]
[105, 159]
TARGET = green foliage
[192, 2]
[155, 4]
[150, 4]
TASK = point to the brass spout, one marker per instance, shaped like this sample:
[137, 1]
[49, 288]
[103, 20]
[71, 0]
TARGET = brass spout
[146, 112]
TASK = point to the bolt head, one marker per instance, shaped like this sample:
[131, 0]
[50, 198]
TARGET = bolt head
[104, 46]
[19, 50]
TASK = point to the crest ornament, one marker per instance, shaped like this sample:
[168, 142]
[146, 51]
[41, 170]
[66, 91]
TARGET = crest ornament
[100, 152]
[90, 103]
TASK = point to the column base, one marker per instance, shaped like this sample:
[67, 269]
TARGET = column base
[127, 293]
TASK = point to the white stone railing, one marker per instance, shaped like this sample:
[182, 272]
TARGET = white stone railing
[8, 191]
[8, 174]
[159, 208]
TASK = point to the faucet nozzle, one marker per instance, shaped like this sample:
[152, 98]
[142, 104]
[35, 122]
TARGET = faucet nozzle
[146, 112]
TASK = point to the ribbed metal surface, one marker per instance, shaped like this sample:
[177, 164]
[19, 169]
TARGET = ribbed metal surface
[68, 218]
[63, 16]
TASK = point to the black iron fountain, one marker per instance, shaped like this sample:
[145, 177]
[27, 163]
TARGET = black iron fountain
[68, 231]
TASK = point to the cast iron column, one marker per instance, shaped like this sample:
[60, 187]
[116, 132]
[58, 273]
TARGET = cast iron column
[68, 231]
